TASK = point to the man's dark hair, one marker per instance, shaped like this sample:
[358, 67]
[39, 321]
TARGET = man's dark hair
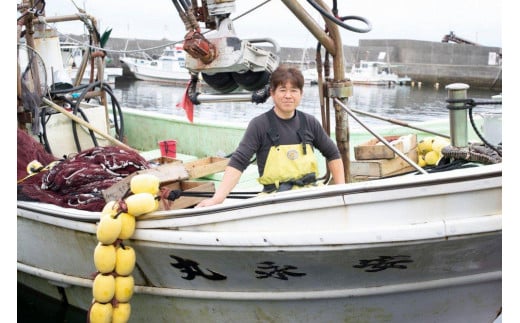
[284, 74]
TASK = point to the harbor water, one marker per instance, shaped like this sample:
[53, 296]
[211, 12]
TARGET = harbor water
[410, 104]
[404, 103]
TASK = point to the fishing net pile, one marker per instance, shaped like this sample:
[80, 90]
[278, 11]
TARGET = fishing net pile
[28, 150]
[78, 181]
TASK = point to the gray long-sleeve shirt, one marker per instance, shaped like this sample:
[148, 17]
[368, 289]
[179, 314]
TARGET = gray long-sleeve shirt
[256, 139]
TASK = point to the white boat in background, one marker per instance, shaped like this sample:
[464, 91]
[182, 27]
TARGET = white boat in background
[374, 73]
[425, 246]
[310, 75]
[128, 63]
[170, 67]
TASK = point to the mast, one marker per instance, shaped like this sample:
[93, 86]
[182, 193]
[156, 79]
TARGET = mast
[337, 87]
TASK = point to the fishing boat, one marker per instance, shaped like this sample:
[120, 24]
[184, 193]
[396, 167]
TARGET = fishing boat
[374, 73]
[168, 68]
[311, 76]
[421, 246]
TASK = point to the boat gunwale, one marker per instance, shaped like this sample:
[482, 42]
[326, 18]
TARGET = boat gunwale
[182, 229]
[386, 184]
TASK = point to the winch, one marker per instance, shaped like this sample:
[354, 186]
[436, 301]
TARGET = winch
[225, 61]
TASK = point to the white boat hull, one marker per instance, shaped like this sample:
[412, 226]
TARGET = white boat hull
[169, 68]
[146, 74]
[417, 248]
[373, 73]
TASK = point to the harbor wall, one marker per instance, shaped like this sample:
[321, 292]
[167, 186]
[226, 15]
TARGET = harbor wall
[435, 62]
[431, 63]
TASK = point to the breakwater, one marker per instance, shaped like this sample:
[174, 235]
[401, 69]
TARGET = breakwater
[437, 62]
[423, 61]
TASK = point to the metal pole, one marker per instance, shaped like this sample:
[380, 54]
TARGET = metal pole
[215, 98]
[458, 114]
[382, 139]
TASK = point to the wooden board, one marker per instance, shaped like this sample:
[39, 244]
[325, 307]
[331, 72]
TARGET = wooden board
[374, 149]
[382, 167]
[206, 166]
[164, 160]
[187, 201]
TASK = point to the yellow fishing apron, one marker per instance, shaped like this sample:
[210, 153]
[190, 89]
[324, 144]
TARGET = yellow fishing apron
[287, 167]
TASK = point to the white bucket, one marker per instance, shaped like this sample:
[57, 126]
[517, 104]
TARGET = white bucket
[492, 128]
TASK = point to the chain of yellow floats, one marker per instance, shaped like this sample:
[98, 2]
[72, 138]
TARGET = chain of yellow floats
[113, 285]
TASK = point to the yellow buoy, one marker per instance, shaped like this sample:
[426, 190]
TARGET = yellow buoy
[108, 229]
[101, 313]
[421, 162]
[103, 288]
[144, 183]
[431, 158]
[125, 260]
[141, 203]
[110, 208]
[122, 313]
[105, 258]
[127, 226]
[34, 167]
[439, 143]
[124, 288]
[425, 145]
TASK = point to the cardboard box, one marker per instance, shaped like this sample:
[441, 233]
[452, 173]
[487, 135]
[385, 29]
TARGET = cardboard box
[187, 201]
[167, 173]
[374, 149]
[206, 166]
[377, 168]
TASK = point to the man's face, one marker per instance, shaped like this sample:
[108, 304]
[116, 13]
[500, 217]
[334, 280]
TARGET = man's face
[286, 98]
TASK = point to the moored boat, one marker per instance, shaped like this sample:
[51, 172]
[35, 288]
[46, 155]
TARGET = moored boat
[392, 243]
[375, 73]
[424, 246]
[170, 67]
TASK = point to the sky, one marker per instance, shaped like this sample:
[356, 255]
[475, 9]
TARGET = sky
[474, 20]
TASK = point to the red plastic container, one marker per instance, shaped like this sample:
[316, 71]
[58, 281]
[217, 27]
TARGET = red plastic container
[168, 148]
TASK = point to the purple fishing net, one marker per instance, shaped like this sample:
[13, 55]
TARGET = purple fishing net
[78, 181]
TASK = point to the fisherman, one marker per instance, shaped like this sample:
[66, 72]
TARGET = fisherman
[283, 140]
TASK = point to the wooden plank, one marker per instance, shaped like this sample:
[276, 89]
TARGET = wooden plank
[381, 167]
[164, 160]
[206, 166]
[374, 149]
